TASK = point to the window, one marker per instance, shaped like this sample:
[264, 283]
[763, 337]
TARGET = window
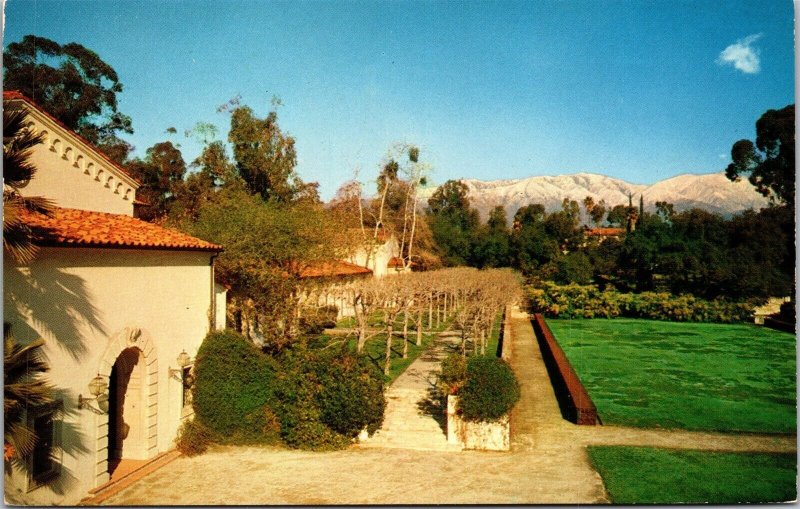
[45, 462]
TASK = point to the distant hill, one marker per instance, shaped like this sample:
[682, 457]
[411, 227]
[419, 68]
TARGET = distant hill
[712, 192]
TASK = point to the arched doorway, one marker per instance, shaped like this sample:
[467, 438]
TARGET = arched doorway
[126, 413]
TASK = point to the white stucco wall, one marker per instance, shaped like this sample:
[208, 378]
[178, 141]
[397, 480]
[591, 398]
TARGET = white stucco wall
[380, 259]
[73, 175]
[85, 303]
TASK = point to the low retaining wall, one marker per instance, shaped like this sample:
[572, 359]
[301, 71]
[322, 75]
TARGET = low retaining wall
[483, 436]
[576, 405]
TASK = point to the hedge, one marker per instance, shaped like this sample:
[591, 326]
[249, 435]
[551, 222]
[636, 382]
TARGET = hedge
[491, 390]
[233, 389]
[588, 301]
[308, 398]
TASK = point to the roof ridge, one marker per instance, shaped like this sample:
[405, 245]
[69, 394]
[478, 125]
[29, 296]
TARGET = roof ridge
[16, 94]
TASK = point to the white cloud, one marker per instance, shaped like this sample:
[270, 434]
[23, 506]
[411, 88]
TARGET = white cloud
[723, 156]
[742, 55]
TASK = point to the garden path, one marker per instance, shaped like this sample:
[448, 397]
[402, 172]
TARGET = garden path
[413, 418]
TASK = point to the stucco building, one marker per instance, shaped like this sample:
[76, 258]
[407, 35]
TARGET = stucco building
[123, 306]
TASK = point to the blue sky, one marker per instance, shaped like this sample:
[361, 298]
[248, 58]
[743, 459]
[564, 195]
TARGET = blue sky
[640, 90]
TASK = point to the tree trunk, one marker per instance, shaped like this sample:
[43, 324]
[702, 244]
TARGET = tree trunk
[388, 364]
[419, 329]
[405, 334]
[430, 312]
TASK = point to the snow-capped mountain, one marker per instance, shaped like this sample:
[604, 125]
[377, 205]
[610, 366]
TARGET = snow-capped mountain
[713, 192]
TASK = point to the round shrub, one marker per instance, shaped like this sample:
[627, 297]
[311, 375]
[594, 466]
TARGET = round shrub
[233, 388]
[491, 389]
[193, 438]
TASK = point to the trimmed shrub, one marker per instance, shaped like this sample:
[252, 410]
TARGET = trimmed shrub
[193, 438]
[233, 389]
[453, 373]
[351, 398]
[490, 391]
[326, 397]
[588, 301]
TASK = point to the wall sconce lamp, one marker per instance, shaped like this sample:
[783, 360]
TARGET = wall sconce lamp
[183, 361]
[97, 388]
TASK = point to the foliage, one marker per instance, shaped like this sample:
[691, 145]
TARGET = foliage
[79, 89]
[234, 388]
[315, 320]
[266, 157]
[18, 141]
[326, 397]
[267, 246]
[453, 222]
[193, 438]
[695, 376]
[491, 390]
[645, 475]
[453, 373]
[770, 161]
[161, 175]
[588, 301]
[351, 398]
[24, 388]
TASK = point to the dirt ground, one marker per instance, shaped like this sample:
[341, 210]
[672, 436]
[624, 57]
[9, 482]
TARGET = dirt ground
[258, 476]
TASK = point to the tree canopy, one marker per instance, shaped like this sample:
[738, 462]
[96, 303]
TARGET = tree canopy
[73, 84]
[769, 163]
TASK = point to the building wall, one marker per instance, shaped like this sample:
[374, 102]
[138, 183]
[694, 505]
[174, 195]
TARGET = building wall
[88, 305]
[73, 175]
[379, 261]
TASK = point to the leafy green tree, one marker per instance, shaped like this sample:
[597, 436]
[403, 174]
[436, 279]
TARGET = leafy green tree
[453, 222]
[161, 175]
[531, 246]
[18, 141]
[618, 216]
[563, 226]
[267, 247]
[74, 85]
[574, 267]
[770, 161]
[266, 157]
[492, 247]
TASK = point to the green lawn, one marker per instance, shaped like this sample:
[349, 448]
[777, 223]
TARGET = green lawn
[684, 375]
[645, 475]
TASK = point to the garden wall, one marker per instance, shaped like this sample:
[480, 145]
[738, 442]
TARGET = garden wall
[575, 403]
[483, 436]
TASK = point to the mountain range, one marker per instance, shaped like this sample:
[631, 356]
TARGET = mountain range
[712, 192]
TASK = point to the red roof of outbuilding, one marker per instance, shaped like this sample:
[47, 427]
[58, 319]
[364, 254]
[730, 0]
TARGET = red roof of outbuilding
[333, 268]
[84, 228]
[17, 95]
[604, 232]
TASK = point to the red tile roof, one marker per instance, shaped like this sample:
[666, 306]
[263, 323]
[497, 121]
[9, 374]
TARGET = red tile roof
[333, 268]
[84, 228]
[395, 262]
[9, 95]
[604, 232]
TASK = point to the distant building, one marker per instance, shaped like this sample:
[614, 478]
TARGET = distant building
[603, 234]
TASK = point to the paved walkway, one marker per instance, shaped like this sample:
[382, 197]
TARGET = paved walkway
[414, 417]
[548, 462]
